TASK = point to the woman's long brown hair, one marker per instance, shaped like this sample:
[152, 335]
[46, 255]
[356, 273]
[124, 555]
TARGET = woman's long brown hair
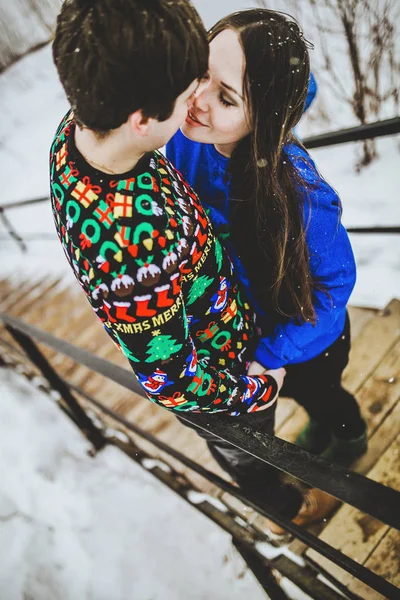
[268, 230]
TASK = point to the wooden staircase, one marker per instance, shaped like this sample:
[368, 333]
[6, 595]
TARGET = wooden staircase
[372, 375]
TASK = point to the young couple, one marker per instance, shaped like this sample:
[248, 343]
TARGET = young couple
[210, 296]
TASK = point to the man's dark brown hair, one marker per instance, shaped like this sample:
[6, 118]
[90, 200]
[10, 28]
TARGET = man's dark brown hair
[117, 56]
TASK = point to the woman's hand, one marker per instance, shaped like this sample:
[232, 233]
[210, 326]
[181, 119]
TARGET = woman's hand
[278, 374]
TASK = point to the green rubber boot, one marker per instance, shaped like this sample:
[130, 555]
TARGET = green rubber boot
[345, 452]
[314, 437]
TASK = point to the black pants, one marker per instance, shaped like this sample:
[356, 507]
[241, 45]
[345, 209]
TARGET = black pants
[314, 384]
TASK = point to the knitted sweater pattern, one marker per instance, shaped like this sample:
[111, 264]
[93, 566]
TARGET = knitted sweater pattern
[143, 251]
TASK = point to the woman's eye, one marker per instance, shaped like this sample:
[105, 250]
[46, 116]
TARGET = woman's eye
[205, 77]
[224, 100]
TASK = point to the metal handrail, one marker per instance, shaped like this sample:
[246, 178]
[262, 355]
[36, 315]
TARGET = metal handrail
[20, 203]
[354, 134]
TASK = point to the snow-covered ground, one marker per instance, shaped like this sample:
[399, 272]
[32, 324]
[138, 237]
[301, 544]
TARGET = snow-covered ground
[79, 528]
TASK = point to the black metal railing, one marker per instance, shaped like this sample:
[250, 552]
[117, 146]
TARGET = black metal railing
[379, 501]
[354, 134]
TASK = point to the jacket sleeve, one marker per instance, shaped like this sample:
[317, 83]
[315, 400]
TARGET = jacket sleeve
[161, 351]
[311, 92]
[331, 264]
[171, 149]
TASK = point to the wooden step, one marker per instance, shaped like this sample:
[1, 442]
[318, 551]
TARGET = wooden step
[6, 287]
[362, 537]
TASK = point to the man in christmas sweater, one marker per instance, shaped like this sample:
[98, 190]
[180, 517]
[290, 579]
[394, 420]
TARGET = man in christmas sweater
[137, 237]
[134, 232]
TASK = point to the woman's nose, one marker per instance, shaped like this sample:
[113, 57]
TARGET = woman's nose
[200, 99]
[203, 85]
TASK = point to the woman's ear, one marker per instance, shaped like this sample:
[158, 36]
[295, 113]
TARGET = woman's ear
[139, 124]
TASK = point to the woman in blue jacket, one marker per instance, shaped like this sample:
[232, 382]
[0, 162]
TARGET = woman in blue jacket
[279, 219]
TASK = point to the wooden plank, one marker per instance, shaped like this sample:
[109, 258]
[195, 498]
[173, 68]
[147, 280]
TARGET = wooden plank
[19, 294]
[187, 440]
[384, 561]
[100, 344]
[79, 374]
[354, 533]
[40, 312]
[359, 317]
[377, 445]
[36, 295]
[131, 409]
[6, 288]
[238, 507]
[13, 290]
[284, 410]
[292, 427]
[123, 403]
[382, 390]
[380, 441]
[374, 341]
[80, 318]
[142, 414]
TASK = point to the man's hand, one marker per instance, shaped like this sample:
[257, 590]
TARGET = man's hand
[278, 374]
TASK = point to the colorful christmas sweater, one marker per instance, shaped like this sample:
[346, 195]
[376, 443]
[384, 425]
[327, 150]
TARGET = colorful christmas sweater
[143, 250]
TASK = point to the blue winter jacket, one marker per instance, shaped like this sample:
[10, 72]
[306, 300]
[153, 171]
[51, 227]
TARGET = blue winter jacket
[331, 257]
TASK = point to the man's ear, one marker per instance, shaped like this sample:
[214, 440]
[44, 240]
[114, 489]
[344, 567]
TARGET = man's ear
[139, 124]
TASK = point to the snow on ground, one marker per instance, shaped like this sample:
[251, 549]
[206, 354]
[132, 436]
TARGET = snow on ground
[73, 527]
[79, 528]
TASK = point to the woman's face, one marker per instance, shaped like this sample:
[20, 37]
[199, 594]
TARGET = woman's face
[218, 115]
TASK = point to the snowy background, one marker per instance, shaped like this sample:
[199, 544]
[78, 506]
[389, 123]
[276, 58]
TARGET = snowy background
[74, 527]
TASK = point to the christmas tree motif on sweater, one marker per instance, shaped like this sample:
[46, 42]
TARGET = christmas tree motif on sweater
[198, 288]
[218, 254]
[126, 350]
[161, 348]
